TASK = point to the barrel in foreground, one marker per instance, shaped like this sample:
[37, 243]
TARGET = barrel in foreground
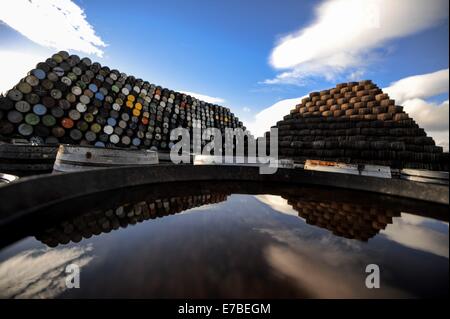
[71, 158]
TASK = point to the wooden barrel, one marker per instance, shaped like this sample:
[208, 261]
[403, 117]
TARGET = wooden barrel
[71, 158]
[27, 159]
[69, 100]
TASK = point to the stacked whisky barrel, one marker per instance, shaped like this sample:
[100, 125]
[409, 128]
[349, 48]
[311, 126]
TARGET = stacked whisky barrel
[349, 220]
[357, 123]
[74, 101]
[97, 222]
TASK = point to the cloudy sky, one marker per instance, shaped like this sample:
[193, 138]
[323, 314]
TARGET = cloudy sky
[256, 57]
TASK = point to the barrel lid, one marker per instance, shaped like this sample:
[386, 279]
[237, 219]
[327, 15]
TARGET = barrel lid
[88, 93]
[52, 76]
[82, 126]
[23, 106]
[64, 104]
[76, 134]
[100, 119]
[57, 58]
[14, 95]
[114, 138]
[99, 144]
[88, 117]
[58, 71]
[126, 140]
[6, 127]
[111, 121]
[32, 119]
[81, 107]
[96, 128]
[67, 122]
[99, 96]
[90, 136]
[24, 87]
[57, 112]
[25, 129]
[48, 120]
[116, 107]
[125, 117]
[32, 80]
[115, 88]
[77, 71]
[122, 124]
[64, 54]
[86, 61]
[103, 137]
[32, 98]
[74, 115]
[39, 109]
[58, 131]
[93, 87]
[108, 129]
[14, 116]
[40, 74]
[56, 94]
[84, 99]
[136, 141]
[71, 98]
[76, 90]
[66, 80]
[72, 76]
[48, 101]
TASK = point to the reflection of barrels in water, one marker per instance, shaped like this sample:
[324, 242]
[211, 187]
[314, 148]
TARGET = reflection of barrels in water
[77, 158]
[97, 222]
[25, 159]
[347, 220]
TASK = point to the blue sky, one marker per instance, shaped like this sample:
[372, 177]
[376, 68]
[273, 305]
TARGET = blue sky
[225, 49]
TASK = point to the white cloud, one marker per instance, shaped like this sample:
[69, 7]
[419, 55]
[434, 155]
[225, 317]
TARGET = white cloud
[277, 203]
[15, 65]
[430, 116]
[40, 273]
[419, 86]
[246, 109]
[412, 91]
[206, 98]
[412, 231]
[57, 24]
[345, 35]
[270, 116]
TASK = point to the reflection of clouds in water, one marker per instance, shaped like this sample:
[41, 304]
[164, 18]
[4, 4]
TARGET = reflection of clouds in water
[415, 232]
[316, 272]
[277, 203]
[40, 273]
[321, 264]
[201, 208]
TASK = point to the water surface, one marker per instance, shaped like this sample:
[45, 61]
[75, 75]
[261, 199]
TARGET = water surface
[229, 241]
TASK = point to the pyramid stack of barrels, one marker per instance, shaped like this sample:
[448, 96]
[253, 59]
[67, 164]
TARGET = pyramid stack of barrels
[348, 220]
[74, 101]
[357, 123]
[97, 222]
